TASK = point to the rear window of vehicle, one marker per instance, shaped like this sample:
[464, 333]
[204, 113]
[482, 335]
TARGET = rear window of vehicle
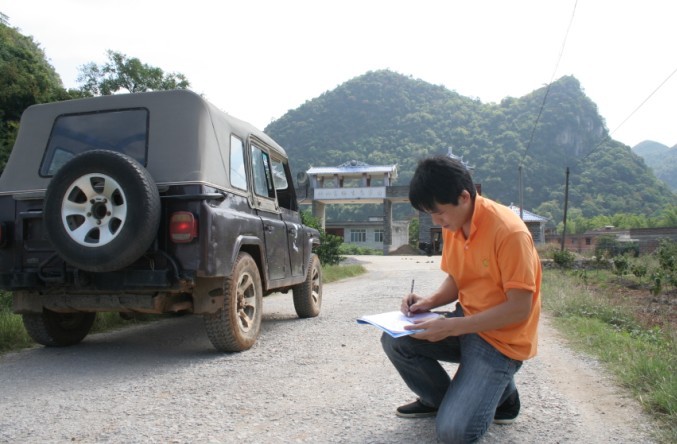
[124, 131]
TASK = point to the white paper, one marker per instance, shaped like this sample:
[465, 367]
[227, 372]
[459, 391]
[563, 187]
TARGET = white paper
[393, 322]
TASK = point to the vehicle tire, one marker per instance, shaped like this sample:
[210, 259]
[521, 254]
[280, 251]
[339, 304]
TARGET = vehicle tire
[236, 326]
[102, 211]
[308, 294]
[58, 329]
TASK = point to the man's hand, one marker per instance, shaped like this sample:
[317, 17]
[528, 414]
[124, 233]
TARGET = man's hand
[437, 329]
[413, 303]
[445, 294]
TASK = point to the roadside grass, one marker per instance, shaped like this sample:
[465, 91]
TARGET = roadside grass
[13, 335]
[600, 321]
[333, 273]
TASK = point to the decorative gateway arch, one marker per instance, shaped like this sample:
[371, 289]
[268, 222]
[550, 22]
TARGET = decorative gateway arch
[356, 182]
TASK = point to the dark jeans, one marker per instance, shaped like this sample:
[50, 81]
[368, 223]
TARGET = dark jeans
[466, 403]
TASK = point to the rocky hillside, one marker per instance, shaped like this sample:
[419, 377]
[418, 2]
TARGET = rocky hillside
[385, 118]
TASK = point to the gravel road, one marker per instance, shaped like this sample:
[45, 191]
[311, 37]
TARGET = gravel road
[321, 380]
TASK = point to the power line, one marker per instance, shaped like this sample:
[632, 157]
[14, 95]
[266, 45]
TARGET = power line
[540, 110]
[608, 136]
[644, 101]
[547, 89]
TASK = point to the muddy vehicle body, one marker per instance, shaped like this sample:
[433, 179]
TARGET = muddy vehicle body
[150, 203]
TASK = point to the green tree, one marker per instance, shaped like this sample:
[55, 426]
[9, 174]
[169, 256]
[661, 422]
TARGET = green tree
[668, 217]
[26, 78]
[122, 73]
[600, 221]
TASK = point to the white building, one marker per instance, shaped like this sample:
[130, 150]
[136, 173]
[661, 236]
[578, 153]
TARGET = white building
[369, 234]
[356, 182]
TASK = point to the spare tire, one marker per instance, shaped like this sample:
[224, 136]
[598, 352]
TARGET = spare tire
[102, 211]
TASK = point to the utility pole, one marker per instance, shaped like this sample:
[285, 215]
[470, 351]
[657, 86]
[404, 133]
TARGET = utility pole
[566, 204]
[521, 195]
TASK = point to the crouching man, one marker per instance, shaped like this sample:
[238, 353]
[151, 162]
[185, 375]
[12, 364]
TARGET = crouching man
[493, 272]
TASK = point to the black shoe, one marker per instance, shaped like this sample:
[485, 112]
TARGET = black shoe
[508, 411]
[416, 409]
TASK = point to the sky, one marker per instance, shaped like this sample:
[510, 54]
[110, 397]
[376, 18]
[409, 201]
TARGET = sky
[258, 59]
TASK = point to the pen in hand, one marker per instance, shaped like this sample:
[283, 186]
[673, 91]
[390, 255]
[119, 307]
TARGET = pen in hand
[409, 300]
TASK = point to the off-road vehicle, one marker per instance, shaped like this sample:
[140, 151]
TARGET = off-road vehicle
[150, 203]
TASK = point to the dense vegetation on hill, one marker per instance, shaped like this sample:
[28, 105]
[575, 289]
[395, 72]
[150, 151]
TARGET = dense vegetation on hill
[384, 118]
[661, 159]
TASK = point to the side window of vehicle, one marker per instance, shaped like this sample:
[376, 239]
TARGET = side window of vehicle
[238, 176]
[263, 178]
[279, 177]
[286, 195]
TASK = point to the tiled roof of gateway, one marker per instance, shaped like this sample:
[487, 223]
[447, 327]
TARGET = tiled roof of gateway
[527, 216]
[354, 167]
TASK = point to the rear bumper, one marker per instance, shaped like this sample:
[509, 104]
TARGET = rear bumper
[158, 303]
[78, 281]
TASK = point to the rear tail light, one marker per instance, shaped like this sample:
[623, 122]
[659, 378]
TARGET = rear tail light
[182, 227]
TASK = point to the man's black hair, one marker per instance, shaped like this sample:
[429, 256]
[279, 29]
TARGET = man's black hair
[439, 180]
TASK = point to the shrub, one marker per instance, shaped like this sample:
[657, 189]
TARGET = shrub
[563, 258]
[639, 270]
[656, 283]
[329, 249]
[667, 260]
[667, 255]
[355, 250]
[621, 265]
[5, 301]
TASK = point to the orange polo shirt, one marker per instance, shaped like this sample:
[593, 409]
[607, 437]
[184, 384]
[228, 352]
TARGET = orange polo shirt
[498, 255]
